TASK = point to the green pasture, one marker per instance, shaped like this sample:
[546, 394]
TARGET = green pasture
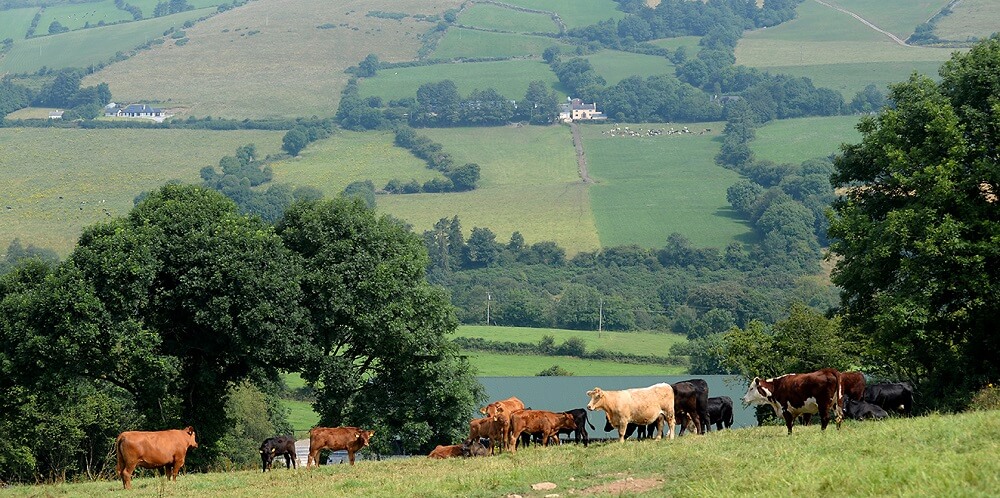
[796, 140]
[58, 181]
[689, 42]
[266, 59]
[970, 18]
[615, 66]
[31, 113]
[821, 36]
[348, 156]
[469, 43]
[86, 47]
[851, 78]
[649, 187]
[513, 365]
[575, 13]
[899, 17]
[510, 78]
[148, 6]
[529, 183]
[77, 15]
[936, 455]
[14, 23]
[488, 16]
[301, 416]
[639, 343]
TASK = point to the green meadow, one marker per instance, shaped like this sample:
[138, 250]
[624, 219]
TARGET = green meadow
[87, 47]
[968, 19]
[690, 43]
[936, 455]
[14, 23]
[899, 17]
[639, 343]
[487, 16]
[77, 15]
[58, 181]
[649, 187]
[510, 78]
[821, 36]
[470, 43]
[515, 365]
[615, 66]
[796, 140]
[575, 13]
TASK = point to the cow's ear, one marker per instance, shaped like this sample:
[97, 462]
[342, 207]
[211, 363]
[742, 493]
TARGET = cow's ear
[261, 451]
[274, 450]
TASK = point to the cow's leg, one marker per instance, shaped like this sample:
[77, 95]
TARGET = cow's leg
[350, 456]
[622, 429]
[127, 475]
[313, 458]
[789, 420]
[671, 422]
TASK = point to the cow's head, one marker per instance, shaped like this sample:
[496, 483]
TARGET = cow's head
[365, 437]
[596, 399]
[757, 393]
[192, 443]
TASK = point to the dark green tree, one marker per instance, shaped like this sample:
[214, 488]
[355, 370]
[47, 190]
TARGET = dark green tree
[915, 232]
[368, 67]
[294, 141]
[379, 354]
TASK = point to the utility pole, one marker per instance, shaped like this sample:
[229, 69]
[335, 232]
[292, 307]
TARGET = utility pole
[488, 299]
[600, 318]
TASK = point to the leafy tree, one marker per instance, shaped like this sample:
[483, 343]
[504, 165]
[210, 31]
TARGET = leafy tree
[554, 371]
[438, 104]
[540, 104]
[369, 66]
[294, 141]
[482, 248]
[367, 300]
[916, 230]
[465, 177]
[364, 190]
[56, 27]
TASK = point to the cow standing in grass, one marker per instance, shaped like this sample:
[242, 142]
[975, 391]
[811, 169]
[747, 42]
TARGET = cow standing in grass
[792, 395]
[152, 450]
[646, 405]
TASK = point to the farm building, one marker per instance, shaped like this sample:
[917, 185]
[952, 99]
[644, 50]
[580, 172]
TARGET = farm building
[133, 111]
[56, 114]
[577, 110]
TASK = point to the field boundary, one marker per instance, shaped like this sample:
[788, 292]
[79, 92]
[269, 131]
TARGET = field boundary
[867, 23]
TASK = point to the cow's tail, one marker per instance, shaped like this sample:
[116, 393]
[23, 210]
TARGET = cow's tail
[120, 459]
[587, 419]
[838, 402]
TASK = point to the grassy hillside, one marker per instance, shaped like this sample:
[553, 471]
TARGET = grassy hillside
[515, 365]
[615, 66]
[626, 342]
[575, 13]
[14, 23]
[57, 181]
[470, 43]
[86, 47]
[939, 455]
[898, 17]
[795, 140]
[822, 36]
[283, 58]
[969, 18]
[494, 17]
[510, 78]
[647, 188]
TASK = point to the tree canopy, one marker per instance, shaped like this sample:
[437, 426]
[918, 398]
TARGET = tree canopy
[916, 231]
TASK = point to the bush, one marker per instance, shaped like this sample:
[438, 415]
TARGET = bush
[554, 371]
[988, 398]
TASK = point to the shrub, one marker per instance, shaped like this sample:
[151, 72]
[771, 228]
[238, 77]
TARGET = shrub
[988, 398]
[554, 371]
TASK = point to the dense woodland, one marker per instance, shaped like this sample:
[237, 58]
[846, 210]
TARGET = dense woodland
[186, 310]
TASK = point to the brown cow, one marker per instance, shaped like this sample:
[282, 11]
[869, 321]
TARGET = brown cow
[152, 450]
[351, 439]
[853, 385]
[488, 428]
[500, 411]
[792, 395]
[450, 451]
[538, 421]
[643, 405]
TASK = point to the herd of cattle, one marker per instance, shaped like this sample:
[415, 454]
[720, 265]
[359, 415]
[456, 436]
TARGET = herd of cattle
[652, 411]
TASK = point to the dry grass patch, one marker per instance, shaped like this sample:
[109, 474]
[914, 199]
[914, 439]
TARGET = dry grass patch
[271, 59]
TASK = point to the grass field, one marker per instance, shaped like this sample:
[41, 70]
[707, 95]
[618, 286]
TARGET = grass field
[796, 140]
[937, 455]
[489, 16]
[647, 188]
[469, 43]
[970, 18]
[510, 78]
[575, 13]
[76, 15]
[14, 23]
[899, 17]
[851, 78]
[263, 60]
[822, 36]
[689, 42]
[625, 342]
[85, 47]
[615, 66]
[57, 181]
[506, 365]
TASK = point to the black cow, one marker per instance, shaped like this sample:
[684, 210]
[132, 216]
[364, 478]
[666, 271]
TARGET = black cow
[276, 446]
[720, 412]
[472, 448]
[691, 402]
[644, 431]
[861, 410]
[580, 417]
[891, 396]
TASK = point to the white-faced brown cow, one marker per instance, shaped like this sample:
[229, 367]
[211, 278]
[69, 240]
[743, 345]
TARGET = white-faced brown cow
[538, 421]
[152, 450]
[500, 412]
[351, 439]
[792, 395]
[646, 405]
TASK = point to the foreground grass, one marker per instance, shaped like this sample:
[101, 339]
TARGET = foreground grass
[938, 455]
